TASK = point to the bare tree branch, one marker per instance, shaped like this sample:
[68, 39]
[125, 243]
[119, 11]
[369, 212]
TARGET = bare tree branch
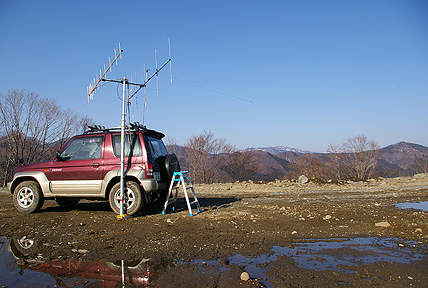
[203, 156]
[32, 128]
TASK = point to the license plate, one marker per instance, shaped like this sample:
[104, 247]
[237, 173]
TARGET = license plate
[156, 176]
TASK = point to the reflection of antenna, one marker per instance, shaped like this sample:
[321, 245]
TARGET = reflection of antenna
[97, 80]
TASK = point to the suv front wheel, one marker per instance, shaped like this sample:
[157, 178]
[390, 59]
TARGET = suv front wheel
[133, 200]
[28, 197]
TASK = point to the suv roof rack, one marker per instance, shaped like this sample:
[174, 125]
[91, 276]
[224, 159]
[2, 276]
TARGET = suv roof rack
[136, 126]
[95, 128]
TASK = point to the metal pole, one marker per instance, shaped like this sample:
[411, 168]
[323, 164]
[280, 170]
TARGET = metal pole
[122, 152]
[145, 79]
[123, 273]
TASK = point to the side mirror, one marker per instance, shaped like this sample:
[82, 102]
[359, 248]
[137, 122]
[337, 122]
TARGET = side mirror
[60, 157]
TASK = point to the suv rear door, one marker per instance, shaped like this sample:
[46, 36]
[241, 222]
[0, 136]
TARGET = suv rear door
[156, 153]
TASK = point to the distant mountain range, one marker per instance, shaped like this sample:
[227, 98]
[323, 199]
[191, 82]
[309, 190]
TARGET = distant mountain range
[395, 160]
[275, 162]
[400, 154]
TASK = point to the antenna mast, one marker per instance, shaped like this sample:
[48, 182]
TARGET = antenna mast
[145, 79]
[96, 84]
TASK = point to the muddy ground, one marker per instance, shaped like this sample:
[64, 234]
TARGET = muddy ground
[239, 218]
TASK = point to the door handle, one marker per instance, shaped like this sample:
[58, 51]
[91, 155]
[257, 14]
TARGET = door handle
[96, 165]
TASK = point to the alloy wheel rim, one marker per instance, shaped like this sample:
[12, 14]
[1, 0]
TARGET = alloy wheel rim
[25, 197]
[129, 196]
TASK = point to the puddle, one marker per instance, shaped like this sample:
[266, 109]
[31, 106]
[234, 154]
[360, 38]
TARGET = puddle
[19, 269]
[339, 254]
[22, 266]
[414, 205]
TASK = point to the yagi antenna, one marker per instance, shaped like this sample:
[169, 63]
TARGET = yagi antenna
[156, 73]
[97, 80]
[125, 100]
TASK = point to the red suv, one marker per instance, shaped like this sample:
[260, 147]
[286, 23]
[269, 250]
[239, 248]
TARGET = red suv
[88, 167]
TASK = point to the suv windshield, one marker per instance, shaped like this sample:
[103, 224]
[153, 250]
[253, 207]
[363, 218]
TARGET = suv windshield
[156, 147]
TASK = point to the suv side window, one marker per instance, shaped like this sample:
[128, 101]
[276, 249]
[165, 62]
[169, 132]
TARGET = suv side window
[82, 148]
[129, 139]
[156, 147]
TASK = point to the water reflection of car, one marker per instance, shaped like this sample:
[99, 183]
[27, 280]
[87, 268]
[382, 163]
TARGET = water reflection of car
[110, 274]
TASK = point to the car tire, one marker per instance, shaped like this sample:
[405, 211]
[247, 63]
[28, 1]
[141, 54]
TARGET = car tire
[67, 203]
[28, 197]
[171, 165]
[133, 199]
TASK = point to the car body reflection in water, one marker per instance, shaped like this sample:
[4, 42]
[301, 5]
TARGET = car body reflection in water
[22, 266]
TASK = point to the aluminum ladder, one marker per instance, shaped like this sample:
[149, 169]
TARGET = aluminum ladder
[184, 181]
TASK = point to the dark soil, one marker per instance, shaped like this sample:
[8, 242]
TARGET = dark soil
[238, 218]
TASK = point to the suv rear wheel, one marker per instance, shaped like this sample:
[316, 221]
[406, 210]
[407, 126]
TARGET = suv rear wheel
[132, 197]
[28, 197]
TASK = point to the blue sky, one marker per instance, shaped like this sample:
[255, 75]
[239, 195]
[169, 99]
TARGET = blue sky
[302, 74]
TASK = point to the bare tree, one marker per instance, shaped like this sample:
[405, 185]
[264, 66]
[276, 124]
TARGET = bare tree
[309, 166]
[356, 158]
[336, 165]
[203, 156]
[239, 165]
[363, 156]
[33, 127]
[171, 144]
[5, 161]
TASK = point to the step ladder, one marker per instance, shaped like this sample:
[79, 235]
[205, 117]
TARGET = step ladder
[182, 177]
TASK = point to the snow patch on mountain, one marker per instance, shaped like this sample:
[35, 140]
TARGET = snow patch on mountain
[278, 149]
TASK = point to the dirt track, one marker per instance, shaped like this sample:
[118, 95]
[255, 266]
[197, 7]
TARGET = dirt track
[240, 218]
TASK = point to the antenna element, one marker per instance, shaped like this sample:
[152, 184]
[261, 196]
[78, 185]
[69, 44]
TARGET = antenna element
[97, 80]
